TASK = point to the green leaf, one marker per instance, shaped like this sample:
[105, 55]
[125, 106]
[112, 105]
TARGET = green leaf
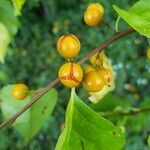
[18, 4]
[4, 41]
[8, 18]
[41, 110]
[138, 16]
[30, 122]
[85, 129]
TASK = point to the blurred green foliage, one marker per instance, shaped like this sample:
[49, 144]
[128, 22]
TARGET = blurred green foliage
[32, 58]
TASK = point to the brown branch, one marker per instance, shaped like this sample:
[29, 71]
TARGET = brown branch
[133, 111]
[47, 88]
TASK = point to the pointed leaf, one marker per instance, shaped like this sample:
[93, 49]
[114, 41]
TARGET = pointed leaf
[138, 16]
[88, 130]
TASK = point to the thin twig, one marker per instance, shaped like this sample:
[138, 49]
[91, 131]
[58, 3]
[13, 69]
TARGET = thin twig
[117, 24]
[46, 89]
[134, 111]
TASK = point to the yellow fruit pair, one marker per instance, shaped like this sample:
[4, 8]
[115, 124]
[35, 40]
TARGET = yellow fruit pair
[93, 15]
[70, 74]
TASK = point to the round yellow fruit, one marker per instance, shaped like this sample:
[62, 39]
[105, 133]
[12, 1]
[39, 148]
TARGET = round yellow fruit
[93, 81]
[70, 74]
[68, 46]
[20, 91]
[93, 16]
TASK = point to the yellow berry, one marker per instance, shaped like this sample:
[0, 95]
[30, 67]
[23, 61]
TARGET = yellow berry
[89, 68]
[107, 75]
[68, 46]
[70, 74]
[20, 91]
[93, 81]
[93, 16]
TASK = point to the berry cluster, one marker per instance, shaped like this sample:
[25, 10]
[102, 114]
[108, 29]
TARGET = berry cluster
[68, 46]
[71, 74]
